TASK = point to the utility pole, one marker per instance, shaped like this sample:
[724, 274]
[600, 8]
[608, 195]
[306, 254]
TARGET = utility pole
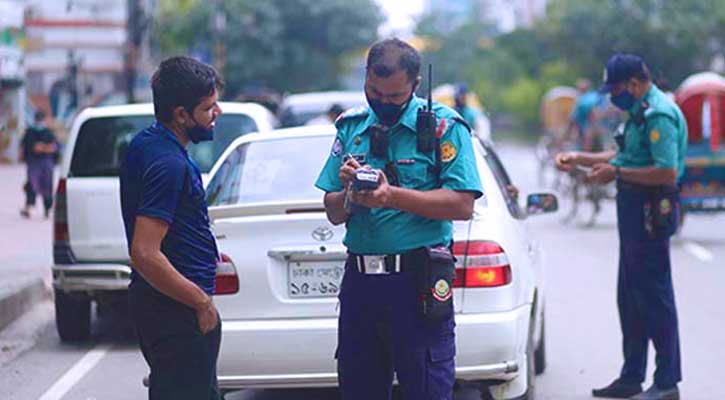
[218, 25]
[136, 28]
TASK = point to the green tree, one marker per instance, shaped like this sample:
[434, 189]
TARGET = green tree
[288, 45]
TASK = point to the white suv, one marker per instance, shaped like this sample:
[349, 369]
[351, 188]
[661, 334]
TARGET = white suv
[90, 254]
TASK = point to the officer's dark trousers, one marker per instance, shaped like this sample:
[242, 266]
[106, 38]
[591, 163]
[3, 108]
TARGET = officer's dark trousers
[645, 294]
[182, 360]
[380, 332]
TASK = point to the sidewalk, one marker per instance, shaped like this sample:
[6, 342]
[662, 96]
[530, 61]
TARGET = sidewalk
[26, 249]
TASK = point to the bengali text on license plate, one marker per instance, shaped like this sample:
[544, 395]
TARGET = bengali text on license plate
[314, 279]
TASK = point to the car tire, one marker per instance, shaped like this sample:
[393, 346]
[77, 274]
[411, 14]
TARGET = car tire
[540, 353]
[72, 316]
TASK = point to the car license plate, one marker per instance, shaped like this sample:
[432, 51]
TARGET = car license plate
[314, 279]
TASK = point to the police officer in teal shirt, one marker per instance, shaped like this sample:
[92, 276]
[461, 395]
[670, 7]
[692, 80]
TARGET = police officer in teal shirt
[647, 166]
[398, 234]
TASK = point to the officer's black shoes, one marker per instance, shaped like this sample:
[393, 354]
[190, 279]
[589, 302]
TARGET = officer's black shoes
[656, 393]
[618, 390]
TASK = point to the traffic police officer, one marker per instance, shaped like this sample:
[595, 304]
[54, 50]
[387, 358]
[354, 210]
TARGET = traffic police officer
[387, 323]
[647, 166]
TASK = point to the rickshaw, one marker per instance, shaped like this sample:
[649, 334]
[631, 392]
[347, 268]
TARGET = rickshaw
[556, 107]
[701, 98]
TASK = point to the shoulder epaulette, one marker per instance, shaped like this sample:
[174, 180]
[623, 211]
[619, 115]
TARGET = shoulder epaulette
[352, 113]
[463, 122]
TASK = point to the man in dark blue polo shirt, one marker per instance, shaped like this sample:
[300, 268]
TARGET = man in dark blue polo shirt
[172, 249]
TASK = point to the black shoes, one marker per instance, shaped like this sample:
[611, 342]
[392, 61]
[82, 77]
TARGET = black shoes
[655, 393]
[619, 390]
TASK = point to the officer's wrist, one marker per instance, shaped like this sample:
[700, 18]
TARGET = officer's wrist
[617, 172]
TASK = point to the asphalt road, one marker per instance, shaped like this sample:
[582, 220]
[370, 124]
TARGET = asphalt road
[583, 339]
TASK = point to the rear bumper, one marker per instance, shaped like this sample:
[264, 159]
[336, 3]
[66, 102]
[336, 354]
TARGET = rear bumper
[91, 277]
[300, 353]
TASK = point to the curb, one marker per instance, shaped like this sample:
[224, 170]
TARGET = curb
[18, 299]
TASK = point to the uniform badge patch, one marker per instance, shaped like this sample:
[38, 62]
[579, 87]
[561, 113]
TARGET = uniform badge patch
[448, 151]
[654, 136]
[442, 290]
[336, 147]
[665, 206]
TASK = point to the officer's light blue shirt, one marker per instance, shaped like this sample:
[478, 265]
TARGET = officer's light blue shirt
[660, 140]
[391, 231]
[159, 180]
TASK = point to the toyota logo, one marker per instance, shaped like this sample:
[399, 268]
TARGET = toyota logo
[322, 234]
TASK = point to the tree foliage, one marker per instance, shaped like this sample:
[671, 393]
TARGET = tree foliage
[288, 45]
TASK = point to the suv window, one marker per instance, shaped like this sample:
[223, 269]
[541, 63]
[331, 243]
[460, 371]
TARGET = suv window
[102, 142]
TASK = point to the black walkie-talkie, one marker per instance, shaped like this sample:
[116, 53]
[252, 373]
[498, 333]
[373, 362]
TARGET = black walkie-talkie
[426, 121]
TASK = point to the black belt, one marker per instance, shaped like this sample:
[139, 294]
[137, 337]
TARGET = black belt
[622, 185]
[385, 263]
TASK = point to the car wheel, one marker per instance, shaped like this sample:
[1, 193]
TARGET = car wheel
[72, 316]
[540, 353]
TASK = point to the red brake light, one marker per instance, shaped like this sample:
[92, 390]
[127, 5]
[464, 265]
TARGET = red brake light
[481, 264]
[226, 281]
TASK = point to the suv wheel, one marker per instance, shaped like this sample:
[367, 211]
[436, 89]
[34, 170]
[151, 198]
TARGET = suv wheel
[72, 316]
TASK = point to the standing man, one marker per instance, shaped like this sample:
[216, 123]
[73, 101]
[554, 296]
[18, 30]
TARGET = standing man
[173, 252]
[396, 306]
[647, 166]
[40, 150]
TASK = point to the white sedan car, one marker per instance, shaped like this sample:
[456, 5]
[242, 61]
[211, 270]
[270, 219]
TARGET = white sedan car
[277, 290]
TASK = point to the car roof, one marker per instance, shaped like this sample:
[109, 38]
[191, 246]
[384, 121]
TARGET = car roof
[312, 99]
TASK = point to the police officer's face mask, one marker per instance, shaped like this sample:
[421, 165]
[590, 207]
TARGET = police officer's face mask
[624, 100]
[388, 113]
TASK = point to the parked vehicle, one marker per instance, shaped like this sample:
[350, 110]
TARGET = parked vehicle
[702, 100]
[298, 109]
[280, 328]
[90, 255]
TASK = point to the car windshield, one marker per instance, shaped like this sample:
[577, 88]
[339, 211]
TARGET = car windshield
[270, 171]
[102, 142]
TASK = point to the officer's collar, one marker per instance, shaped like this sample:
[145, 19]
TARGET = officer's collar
[166, 132]
[409, 117]
[637, 104]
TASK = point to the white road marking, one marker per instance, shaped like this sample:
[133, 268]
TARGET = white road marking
[700, 252]
[75, 374]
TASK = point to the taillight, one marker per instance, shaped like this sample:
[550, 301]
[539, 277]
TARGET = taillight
[226, 281]
[62, 252]
[481, 264]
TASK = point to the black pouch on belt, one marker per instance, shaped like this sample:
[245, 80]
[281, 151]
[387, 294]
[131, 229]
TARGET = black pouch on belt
[665, 211]
[435, 283]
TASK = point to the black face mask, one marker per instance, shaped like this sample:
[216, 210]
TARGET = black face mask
[388, 113]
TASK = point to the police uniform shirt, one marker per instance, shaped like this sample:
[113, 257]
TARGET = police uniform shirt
[392, 231]
[659, 140]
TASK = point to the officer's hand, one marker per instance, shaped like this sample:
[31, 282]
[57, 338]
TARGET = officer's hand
[378, 198]
[347, 171]
[601, 174]
[207, 317]
[566, 161]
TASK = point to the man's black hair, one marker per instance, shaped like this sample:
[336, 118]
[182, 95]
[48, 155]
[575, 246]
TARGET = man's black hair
[390, 55]
[39, 116]
[182, 81]
[643, 75]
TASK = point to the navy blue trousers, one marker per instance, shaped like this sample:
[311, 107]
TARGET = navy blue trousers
[645, 295]
[182, 360]
[381, 332]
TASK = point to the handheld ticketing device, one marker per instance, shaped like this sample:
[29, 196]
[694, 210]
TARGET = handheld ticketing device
[365, 179]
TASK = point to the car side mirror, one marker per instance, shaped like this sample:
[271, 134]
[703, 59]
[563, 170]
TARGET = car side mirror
[541, 203]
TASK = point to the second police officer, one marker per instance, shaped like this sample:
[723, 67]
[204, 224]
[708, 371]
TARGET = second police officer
[396, 310]
[647, 166]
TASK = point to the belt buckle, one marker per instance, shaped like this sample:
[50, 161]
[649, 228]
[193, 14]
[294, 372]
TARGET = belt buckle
[374, 265]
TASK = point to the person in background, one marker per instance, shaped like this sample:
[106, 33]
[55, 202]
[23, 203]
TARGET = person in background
[468, 113]
[327, 118]
[40, 151]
